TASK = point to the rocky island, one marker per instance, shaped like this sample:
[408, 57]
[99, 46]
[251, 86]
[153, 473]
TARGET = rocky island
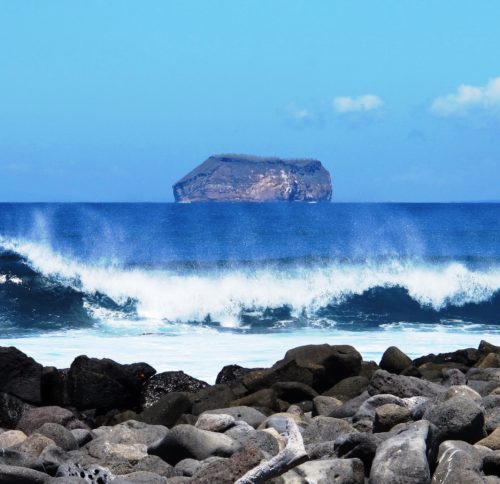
[246, 178]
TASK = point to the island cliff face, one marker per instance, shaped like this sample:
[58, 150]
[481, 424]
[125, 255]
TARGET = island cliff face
[233, 178]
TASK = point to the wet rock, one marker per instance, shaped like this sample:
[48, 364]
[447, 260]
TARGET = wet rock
[389, 415]
[11, 438]
[168, 382]
[348, 388]
[491, 360]
[216, 396]
[394, 360]
[339, 471]
[59, 434]
[492, 441]
[214, 422]
[186, 441]
[11, 410]
[21, 375]
[102, 384]
[231, 373]
[465, 357]
[265, 398]
[293, 392]
[458, 462]
[323, 405]
[249, 415]
[54, 388]
[485, 348]
[458, 418]
[35, 417]
[21, 475]
[384, 382]
[434, 372]
[318, 366]
[402, 458]
[323, 429]
[167, 410]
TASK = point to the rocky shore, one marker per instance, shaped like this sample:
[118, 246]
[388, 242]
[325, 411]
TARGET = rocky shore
[319, 415]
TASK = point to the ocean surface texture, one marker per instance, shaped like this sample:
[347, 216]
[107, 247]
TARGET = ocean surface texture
[197, 286]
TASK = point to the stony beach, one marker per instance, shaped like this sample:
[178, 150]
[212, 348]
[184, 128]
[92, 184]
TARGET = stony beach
[319, 415]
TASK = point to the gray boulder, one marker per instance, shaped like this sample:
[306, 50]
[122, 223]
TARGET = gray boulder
[248, 414]
[153, 463]
[402, 458]
[186, 441]
[323, 405]
[458, 418]
[394, 360]
[34, 418]
[324, 429]
[348, 388]
[214, 422]
[60, 435]
[21, 475]
[167, 409]
[403, 386]
[216, 396]
[458, 462]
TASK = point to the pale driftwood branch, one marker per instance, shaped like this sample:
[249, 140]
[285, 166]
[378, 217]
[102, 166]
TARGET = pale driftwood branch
[292, 455]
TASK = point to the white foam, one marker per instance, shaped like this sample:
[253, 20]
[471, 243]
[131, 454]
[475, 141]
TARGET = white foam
[163, 295]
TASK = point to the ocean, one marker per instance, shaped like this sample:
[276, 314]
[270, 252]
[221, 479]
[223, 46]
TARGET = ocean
[199, 286]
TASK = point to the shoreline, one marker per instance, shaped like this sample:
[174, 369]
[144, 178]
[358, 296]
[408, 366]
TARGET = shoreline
[321, 413]
[172, 351]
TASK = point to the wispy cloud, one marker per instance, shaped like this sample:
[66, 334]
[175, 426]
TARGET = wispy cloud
[469, 98]
[352, 109]
[360, 104]
[299, 113]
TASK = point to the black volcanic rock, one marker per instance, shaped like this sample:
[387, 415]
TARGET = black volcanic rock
[253, 179]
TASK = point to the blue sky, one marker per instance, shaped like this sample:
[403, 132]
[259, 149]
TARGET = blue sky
[117, 100]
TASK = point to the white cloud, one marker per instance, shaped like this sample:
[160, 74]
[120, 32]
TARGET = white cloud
[467, 98]
[298, 113]
[347, 104]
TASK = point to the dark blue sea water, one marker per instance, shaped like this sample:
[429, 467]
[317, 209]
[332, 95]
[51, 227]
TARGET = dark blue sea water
[247, 267]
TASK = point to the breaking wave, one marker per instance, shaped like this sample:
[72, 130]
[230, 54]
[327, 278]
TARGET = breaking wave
[42, 289]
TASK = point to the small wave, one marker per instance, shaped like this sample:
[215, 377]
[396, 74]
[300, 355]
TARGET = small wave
[315, 294]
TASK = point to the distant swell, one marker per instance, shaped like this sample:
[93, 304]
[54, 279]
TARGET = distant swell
[42, 289]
